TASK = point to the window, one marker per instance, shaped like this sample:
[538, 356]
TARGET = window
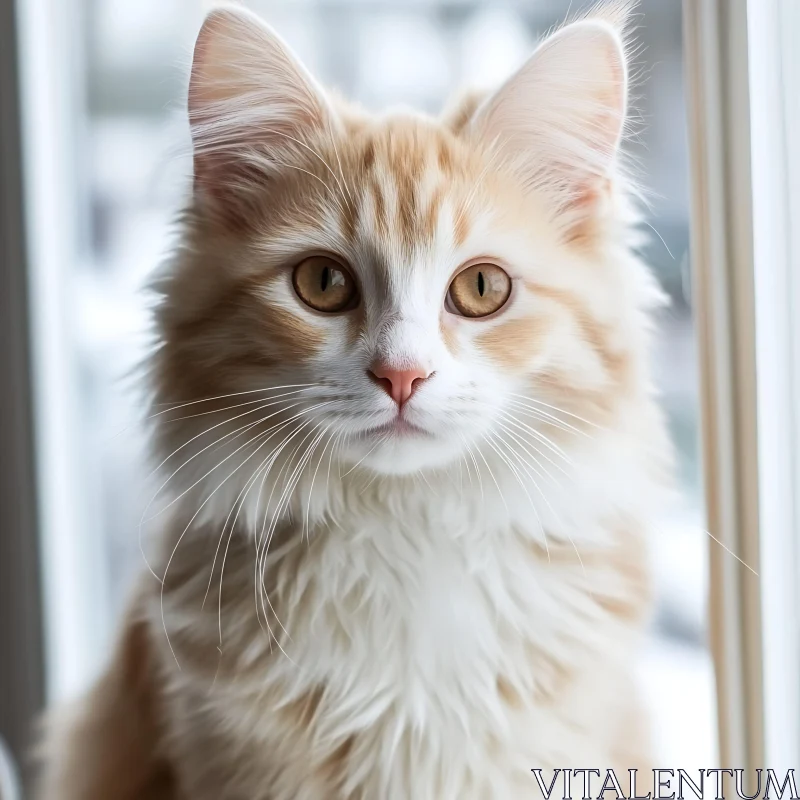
[103, 83]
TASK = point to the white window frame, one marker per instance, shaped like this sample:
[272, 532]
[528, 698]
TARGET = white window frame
[773, 35]
[748, 339]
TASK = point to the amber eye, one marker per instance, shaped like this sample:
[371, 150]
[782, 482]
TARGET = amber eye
[480, 290]
[324, 284]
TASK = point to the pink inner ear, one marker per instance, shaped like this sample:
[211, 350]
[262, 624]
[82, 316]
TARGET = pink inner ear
[558, 120]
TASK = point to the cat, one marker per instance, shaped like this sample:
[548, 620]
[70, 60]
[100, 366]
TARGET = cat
[401, 399]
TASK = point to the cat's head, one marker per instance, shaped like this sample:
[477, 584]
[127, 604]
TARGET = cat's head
[405, 290]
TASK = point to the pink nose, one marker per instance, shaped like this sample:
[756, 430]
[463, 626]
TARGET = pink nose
[399, 384]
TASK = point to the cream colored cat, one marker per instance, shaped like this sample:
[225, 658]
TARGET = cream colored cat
[411, 441]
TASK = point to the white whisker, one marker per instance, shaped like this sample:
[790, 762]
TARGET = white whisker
[540, 437]
[234, 434]
[268, 434]
[548, 418]
[283, 501]
[183, 404]
[556, 516]
[203, 477]
[265, 536]
[559, 410]
[524, 489]
[499, 490]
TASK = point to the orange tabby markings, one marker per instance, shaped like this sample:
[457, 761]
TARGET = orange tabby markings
[594, 334]
[513, 344]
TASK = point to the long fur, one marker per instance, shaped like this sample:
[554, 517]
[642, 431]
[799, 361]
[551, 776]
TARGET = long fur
[344, 612]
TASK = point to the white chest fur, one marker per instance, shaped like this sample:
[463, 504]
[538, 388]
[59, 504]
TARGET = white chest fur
[436, 639]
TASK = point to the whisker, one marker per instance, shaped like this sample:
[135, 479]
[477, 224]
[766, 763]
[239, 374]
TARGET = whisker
[263, 534]
[228, 408]
[541, 437]
[475, 463]
[314, 478]
[256, 584]
[144, 517]
[261, 559]
[184, 404]
[197, 512]
[268, 434]
[381, 440]
[163, 580]
[273, 402]
[721, 544]
[538, 434]
[202, 477]
[339, 437]
[549, 419]
[556, 516]
[559, 410]
[375, 474]
[648, 448]
[269, 458]
[304, 527]
[234, 434]
[521, 442]
[499, 490]
[422, 475]
[243, 491]
[463, 459]
[283, 501]
[524, 489]
[246, 490]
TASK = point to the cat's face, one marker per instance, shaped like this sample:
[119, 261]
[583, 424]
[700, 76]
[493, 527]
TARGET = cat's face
[407, 290]
[414, 284]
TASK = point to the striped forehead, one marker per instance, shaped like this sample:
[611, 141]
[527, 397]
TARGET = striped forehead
[410, 182]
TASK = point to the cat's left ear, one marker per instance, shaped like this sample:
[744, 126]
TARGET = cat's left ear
[558, 121]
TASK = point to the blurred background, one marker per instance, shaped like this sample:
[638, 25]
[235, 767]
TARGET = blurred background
[108, 97]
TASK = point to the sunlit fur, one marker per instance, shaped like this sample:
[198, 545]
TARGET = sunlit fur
[351, 614]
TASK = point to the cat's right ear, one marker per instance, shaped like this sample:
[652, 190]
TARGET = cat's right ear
[559, 120]
[251, 105]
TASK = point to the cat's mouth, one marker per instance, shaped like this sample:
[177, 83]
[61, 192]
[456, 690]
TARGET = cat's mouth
[399, 428]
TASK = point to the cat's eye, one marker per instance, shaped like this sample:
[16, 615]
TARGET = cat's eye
[324, 284]
[480, 290]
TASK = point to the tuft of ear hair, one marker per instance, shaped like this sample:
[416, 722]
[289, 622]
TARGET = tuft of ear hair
[251, 105]
[558, 120]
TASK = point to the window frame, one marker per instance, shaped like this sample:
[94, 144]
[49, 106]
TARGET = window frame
[22, 680]
[748, 338]
[775, 110]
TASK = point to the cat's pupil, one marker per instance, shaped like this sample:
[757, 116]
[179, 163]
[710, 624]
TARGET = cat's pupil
[481, 284]
[326, 273]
